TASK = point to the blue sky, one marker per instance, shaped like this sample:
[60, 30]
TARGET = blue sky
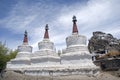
[16, 16]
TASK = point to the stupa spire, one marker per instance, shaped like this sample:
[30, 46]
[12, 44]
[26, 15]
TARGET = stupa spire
[46, 35]
[75, 30]
[25, 41]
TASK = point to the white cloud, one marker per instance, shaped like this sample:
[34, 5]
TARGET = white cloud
[95, 15]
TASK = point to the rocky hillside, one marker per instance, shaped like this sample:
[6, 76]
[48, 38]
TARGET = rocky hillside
[101, 42]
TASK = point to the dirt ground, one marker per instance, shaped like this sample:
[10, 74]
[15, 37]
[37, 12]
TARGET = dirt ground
[9, 75]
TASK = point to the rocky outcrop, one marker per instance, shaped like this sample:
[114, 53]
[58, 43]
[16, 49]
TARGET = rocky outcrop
[101, 42]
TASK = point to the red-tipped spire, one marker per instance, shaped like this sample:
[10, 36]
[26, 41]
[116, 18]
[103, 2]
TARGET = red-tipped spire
[75, 30]
[25, 41]
[46, 35]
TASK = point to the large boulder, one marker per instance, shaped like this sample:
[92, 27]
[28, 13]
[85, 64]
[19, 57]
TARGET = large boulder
[101, 42]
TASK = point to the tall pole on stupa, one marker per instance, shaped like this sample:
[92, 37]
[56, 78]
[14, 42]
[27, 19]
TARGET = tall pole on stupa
[75, 30]
[25, 40]
[46, 34]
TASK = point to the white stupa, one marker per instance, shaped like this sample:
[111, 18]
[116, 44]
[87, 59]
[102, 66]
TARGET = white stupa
[46, 55]
[22, 59]
[76, 53]
[75, 59]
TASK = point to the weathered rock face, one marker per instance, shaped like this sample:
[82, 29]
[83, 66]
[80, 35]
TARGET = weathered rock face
[100, 42]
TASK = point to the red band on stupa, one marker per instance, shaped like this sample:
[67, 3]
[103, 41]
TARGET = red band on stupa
[46, 35]
[75, 30]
